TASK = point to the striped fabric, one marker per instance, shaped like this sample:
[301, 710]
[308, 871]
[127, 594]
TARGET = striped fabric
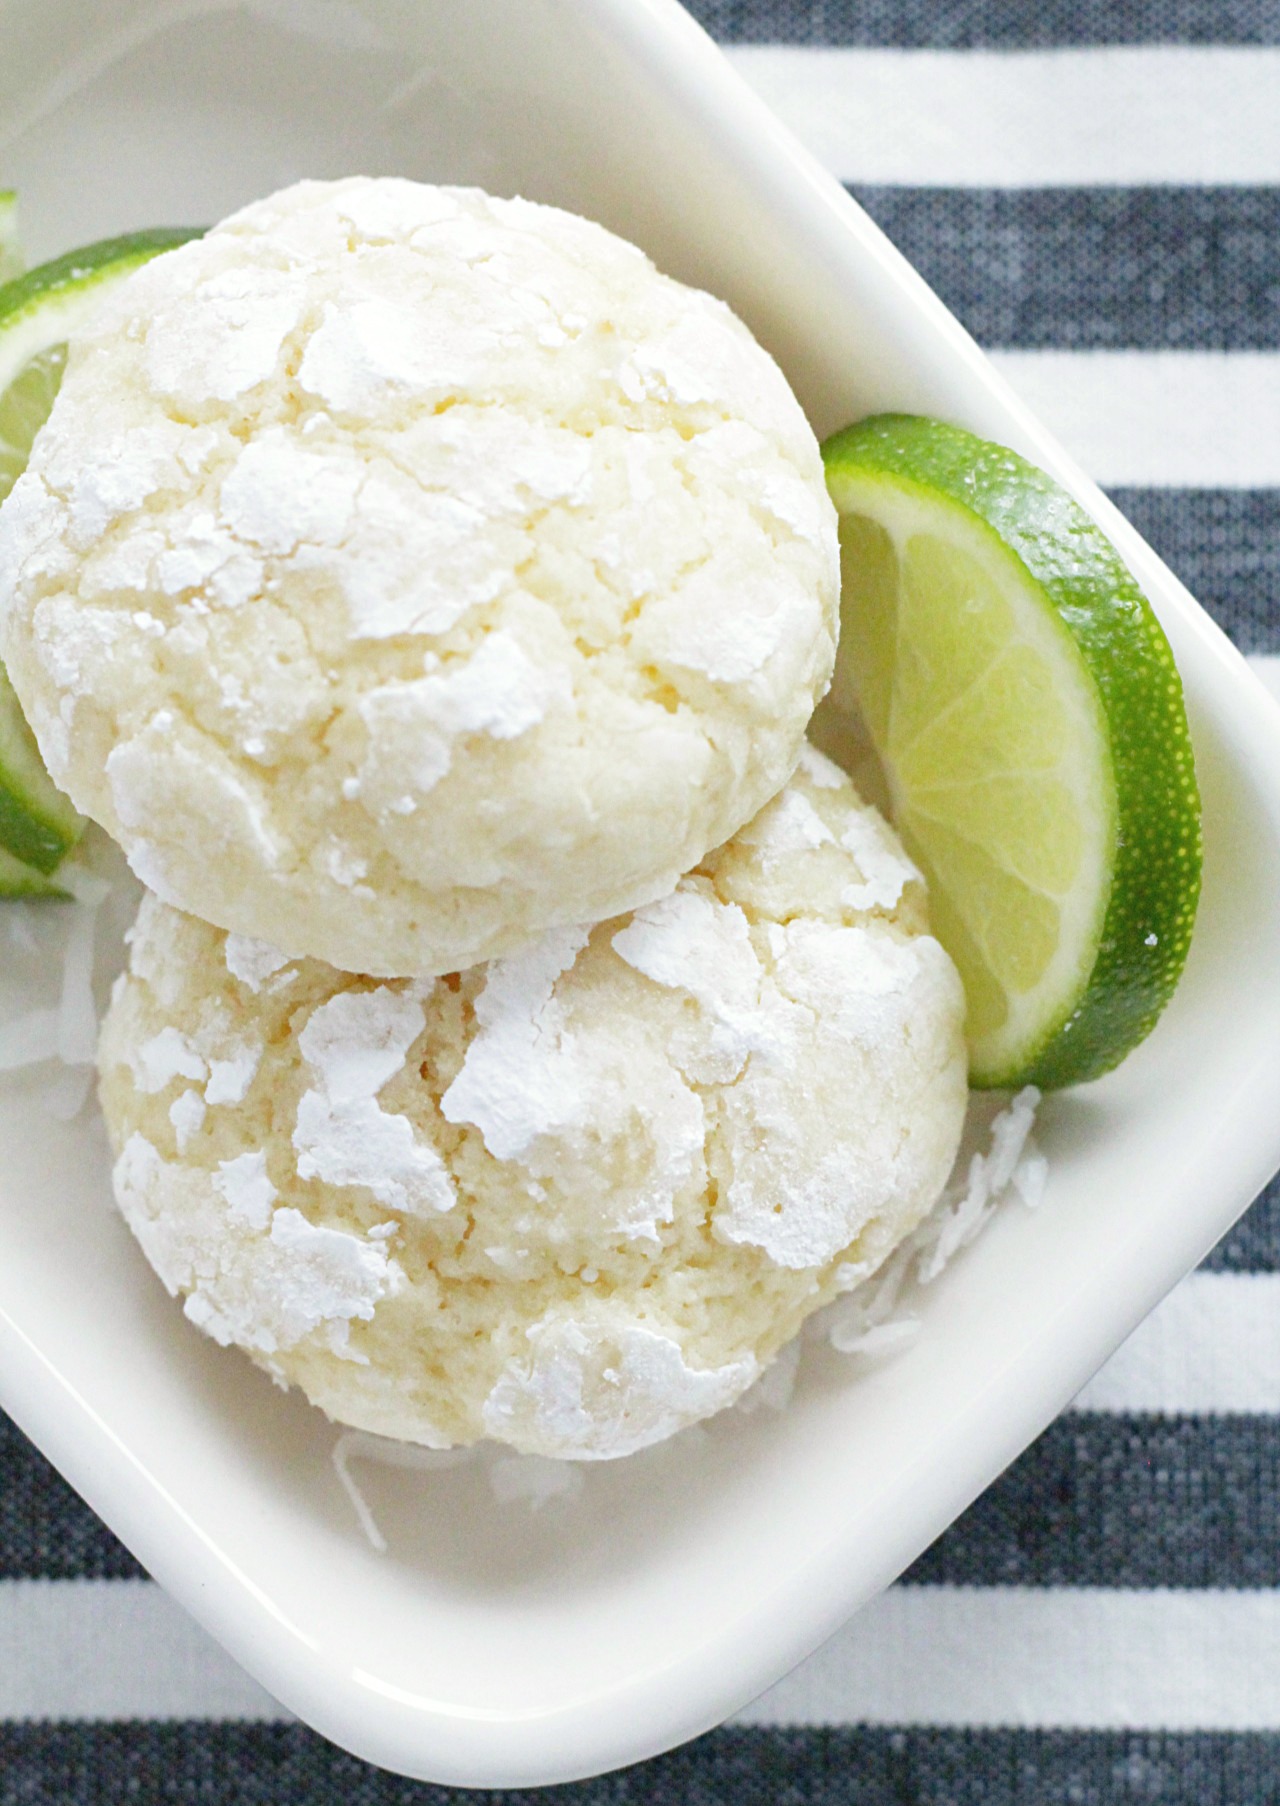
[1094, 187]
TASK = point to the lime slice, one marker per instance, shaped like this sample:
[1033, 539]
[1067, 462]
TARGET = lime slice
[38, 312]
[18, 880]
[24, 408]
[1028, 716]
[10, 251]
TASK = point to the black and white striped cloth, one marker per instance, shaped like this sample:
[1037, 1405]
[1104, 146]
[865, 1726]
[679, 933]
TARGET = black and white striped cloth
[1094, 187]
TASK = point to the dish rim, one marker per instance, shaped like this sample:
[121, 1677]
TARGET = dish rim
[582, 1737]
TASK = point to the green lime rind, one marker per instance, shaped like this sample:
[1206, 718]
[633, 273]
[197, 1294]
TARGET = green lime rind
[38, 824]
[1145, 930]
[35, 290]
[18, 880]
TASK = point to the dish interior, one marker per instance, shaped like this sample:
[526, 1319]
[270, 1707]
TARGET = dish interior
[495, 1644]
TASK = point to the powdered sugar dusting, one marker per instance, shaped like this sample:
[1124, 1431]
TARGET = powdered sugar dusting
[373, 410]
[857, 981]
[729, 627]
[591, 1103]
[598, 1391]
[355, 1044]
[689, 941]
[790, 824]
[412, 727]
[821, 771]
[414, 561]
[231, 1076]
[187, 1113]
[366, 352]
[249, 1193]
[885, 872]
[333, 1276]
[253, 962]
[168, 1055]
[510, 1088]
[279, 495]
[845, 997]
[230, 335]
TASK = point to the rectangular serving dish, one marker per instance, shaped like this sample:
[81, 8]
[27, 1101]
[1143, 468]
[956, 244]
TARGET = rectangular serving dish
[492, 1646]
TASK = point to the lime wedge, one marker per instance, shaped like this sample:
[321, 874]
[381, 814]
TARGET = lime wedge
[10, 249]
[38, 313]
[1029, 720]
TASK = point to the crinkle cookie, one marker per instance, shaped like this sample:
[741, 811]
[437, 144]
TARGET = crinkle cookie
[403, 572]
[572, 1200]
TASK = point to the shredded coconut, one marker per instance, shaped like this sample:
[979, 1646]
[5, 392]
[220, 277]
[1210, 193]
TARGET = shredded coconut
[28, 1039]
[864, 1322]
[359, 1445]
[77, 1012]
[56, 946]
[958, 1219]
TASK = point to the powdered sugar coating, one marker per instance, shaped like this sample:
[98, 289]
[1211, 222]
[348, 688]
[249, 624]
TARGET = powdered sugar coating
[254, 963]
[403, 572]
[581, 1196]
[592, 1389]
[353, 1046]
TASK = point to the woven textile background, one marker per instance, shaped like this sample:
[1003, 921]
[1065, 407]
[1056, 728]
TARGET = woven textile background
[1094, 187]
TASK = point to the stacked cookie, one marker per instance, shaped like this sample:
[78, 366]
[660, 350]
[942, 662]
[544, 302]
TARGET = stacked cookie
[526, 1030]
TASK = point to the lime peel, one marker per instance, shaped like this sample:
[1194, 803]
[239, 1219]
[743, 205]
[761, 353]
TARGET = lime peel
[19, 880]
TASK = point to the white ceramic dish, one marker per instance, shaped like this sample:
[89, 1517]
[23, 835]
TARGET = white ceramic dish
[493, 1647]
